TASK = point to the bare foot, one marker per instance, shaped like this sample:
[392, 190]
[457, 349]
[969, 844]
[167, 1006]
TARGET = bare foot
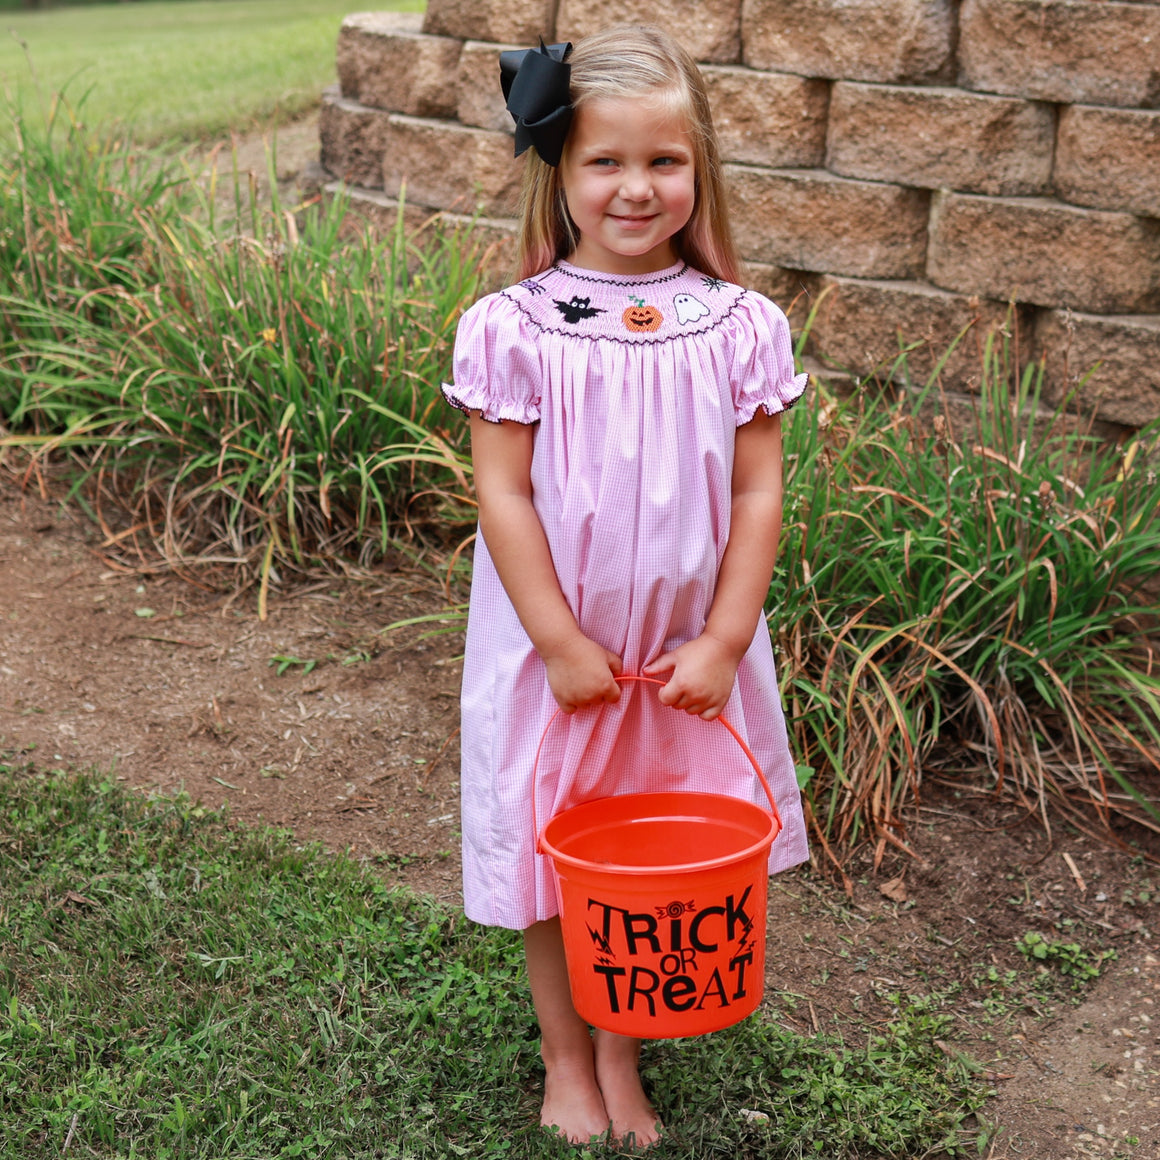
[635, 1122]
[573, 1107]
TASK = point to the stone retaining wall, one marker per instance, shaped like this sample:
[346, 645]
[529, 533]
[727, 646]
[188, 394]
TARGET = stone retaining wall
[925, 162]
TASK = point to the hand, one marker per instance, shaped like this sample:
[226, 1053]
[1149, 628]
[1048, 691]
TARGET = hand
[703, 671]
[581, 672]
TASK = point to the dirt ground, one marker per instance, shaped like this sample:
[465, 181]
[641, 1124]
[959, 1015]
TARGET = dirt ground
[354, 743]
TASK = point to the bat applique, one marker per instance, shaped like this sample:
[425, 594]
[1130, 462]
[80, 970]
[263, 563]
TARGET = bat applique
[577, 308]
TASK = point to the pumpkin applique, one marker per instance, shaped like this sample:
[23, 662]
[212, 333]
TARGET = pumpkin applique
[642, 317]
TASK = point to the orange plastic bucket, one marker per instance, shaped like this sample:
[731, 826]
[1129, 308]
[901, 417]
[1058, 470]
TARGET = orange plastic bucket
[662, 905]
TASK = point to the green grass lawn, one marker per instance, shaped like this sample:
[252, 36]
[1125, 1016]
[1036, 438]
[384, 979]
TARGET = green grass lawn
[176, 987]
[186, 70]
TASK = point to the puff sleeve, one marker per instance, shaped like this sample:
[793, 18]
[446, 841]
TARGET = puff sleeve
[762, 369]
[496, 365]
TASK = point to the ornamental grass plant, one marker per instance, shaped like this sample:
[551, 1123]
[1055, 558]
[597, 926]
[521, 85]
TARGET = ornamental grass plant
[71, 203]
[253, 398]
[969, 592]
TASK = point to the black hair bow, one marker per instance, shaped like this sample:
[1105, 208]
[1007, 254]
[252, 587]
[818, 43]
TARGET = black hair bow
[536, 87]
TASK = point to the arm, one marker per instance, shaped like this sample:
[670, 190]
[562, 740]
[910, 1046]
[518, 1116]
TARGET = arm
[580, 672]
[704, 669]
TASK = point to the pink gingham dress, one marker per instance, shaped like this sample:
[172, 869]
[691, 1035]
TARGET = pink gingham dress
[637, 411]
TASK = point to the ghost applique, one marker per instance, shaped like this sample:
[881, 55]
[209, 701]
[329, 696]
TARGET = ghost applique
[689, 309]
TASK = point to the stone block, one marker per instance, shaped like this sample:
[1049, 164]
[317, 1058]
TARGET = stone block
[1109, 158]
[451, 167]
[498, 20]
[774, 119]
[352, 139]
[812, 220]
[1073, 51]
[386, 22]
[709, 29]
[864, 40]
[311, 179]
[862, 326]
[940, 138]
[1045, 252]
[481, 101]
[402, 71]
[371, 209]
[763, 118]
[793, 290]
[493, 238]
[1124, 388]
[823, 380]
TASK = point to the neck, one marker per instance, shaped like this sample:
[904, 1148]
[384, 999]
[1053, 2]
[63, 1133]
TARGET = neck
[660, 258]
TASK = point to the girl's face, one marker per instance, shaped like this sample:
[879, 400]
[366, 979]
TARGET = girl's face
[629, 180]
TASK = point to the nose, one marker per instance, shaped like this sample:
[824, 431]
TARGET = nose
[636, 185]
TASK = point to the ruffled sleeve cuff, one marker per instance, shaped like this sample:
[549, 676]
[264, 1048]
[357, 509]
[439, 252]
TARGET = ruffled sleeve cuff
[496, 367]
[763, 375]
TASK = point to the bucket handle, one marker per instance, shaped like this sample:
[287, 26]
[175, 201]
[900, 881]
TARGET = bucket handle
[624, 678]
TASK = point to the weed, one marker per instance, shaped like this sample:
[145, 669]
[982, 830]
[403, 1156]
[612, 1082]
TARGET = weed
[282, 663]
[1139, 895]
[1001, 998]
[1069, 959]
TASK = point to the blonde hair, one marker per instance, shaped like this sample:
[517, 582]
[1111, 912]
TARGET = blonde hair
[631, 60]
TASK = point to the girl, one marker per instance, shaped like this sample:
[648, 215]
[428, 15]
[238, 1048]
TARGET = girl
[624, 400]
